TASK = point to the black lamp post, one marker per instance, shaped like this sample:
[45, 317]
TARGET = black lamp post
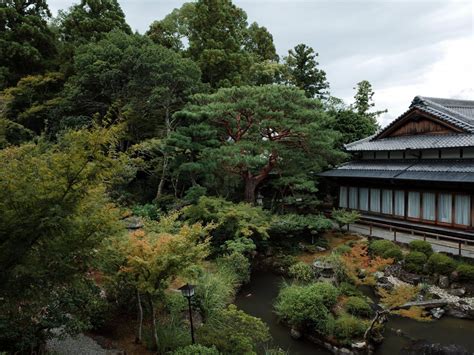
[188, 292]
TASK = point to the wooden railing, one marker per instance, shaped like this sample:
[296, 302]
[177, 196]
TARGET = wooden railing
[436, 236]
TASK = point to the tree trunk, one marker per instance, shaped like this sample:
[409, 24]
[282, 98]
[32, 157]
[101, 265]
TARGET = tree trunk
[164, 171]
[159, 192]
[153, 322]
[250, 187]
[138, 339]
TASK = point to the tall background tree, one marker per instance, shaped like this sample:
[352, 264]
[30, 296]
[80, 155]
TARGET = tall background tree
[27, 44]
[303, 72]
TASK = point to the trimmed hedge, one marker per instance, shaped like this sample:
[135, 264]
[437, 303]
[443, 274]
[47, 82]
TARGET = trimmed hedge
[358, 306]
[421, 246]
[386, 249]
[415, 261]
[440, 264]
[465, 272]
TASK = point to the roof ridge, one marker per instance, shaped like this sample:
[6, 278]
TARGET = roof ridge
[428, 99]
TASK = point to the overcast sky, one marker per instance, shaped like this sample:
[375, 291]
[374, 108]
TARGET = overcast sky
[403, 47]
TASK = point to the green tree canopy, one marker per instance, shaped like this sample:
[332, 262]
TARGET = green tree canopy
[31, 102]
[129, 78]
[351, 124]
[364, 100]
[216, 34]
[173, 30]
[90, 20]
[257, 132]
[27, 45]
[54, 212]
[303, 71]
[260, 42]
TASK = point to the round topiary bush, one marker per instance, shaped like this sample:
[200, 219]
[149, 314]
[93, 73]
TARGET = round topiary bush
[385, 249]
[415, 261]
[465, 272]
[421, 246]
[358, 306]
[440, 264]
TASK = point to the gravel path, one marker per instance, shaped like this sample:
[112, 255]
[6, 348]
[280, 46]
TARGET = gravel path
[78, 345]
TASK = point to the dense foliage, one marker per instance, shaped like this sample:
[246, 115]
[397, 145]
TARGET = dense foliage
[133, 163]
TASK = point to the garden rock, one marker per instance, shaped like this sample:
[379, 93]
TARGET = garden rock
[443, 281]
[295, 334]
[459, 292]
[378, 275]
[437, 312]
[454, 276]
[133, 223]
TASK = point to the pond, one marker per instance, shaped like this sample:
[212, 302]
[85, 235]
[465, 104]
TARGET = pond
[257, 298]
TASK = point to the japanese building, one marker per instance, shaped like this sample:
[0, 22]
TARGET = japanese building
[417, 171]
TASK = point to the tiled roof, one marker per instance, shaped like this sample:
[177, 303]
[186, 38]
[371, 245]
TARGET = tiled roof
[413, 142]
[459, 113]
[454, 170]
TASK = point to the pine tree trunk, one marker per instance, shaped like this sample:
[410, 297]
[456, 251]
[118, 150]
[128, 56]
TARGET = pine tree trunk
[138, 339]
[250, 188]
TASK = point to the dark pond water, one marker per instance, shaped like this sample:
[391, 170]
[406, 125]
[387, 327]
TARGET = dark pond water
[257, 298]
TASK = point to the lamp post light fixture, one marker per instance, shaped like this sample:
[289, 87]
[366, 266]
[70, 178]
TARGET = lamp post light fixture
[188, 292]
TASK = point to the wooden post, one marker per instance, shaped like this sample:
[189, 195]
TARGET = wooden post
[370, 229]
[394, 235]
[424, 237]
[348, 227]
[460, 252]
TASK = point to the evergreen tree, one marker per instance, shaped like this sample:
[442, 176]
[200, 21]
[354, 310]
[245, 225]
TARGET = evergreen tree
[27, 44]
[364, 100]
[253, 133]
[90, 20]
[260, 42]
[216, 34]
[303, 71]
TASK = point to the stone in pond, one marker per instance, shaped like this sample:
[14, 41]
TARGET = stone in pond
[437, 312]
[295, 334]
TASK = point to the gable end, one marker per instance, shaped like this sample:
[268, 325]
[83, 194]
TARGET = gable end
[417, 122]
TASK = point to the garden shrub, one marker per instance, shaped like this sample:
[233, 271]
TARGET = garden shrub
[415, 261]
[421, 246]
[148, 210]
[348, 328]
[294, 225]
[342, 249]
[440, 264]
[304, 306]
[196, 349]
[385, 249]
[466, 272]
[343, 217]
[233, 331]
[284, 262]
[327, 291]
[301, 272]
[235, 263]
[358, 306]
